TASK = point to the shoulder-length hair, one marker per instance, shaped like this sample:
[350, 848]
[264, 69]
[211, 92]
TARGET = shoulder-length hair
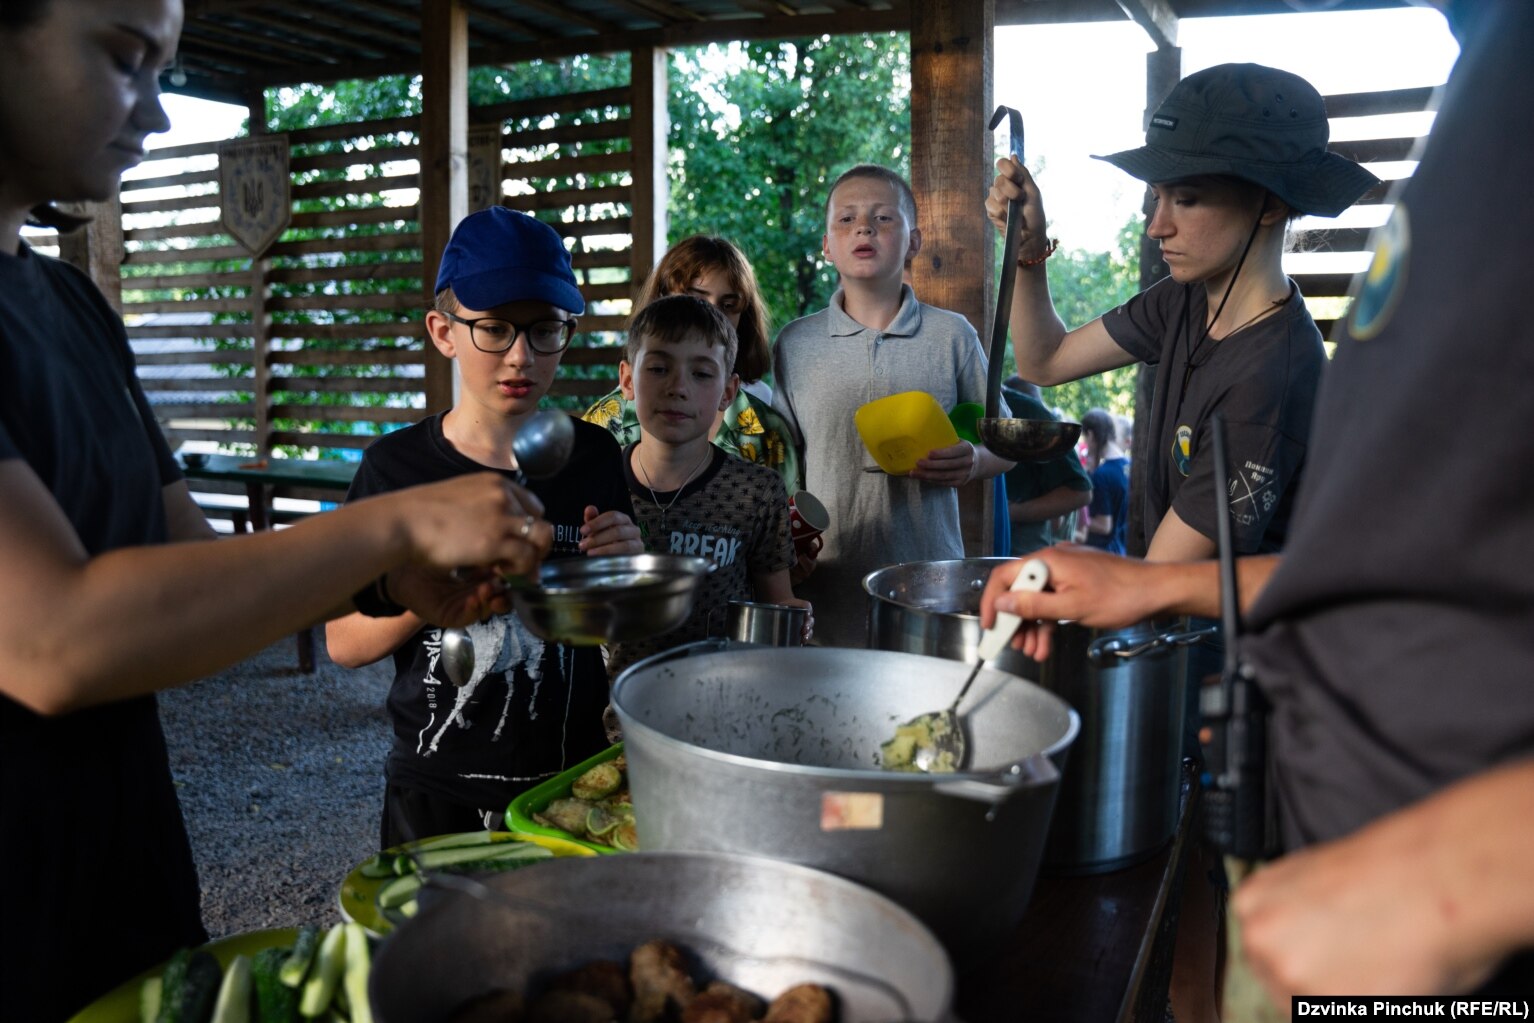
[700, 254]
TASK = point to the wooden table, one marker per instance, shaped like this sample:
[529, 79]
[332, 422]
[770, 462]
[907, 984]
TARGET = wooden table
[263, 479]
[1091, 949]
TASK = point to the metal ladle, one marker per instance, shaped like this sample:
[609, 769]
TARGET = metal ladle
[542, 446]
[940, 742]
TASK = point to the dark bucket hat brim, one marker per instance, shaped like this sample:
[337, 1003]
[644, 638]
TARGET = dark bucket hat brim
[1323, 185]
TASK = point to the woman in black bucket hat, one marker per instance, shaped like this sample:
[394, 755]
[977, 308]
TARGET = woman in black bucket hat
[1233, 154]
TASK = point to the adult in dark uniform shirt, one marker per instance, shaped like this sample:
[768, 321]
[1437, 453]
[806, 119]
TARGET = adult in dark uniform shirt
[1397, 654]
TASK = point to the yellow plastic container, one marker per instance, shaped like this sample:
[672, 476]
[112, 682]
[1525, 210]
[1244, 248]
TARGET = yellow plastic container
[902, 428]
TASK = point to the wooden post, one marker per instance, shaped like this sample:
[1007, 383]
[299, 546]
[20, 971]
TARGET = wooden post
[650, 128]
[260, 323]
[951, 96]
[444, 157]
[1163, 70]
[97, 248]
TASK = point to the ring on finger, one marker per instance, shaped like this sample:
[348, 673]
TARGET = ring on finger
[527, 527]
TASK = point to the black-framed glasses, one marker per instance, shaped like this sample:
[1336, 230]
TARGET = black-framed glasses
[493, 335]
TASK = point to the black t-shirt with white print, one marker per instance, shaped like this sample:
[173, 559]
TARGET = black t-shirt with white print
[734, 514]
[482, 745]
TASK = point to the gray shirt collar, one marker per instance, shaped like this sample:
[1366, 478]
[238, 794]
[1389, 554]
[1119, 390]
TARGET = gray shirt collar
[906, 323]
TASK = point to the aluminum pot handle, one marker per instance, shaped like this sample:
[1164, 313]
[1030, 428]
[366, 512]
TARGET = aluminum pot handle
[1029, 773]
[1102, 650]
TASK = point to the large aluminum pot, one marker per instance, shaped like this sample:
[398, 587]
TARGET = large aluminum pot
[774, 752]
[933, 607]
[1118, 802]
[756, 923]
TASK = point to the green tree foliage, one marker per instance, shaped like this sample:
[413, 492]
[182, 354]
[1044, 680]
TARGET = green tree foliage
[760, 130]
[1085, 285]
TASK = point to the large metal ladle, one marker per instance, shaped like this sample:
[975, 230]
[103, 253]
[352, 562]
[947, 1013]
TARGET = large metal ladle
[940, 746]
[542, 446]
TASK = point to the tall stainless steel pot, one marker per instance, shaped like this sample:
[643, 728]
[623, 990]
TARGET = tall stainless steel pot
[1118, 800]
[773, 752]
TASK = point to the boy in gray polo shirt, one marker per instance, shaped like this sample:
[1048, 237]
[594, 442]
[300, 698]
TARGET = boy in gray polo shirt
[873, 340]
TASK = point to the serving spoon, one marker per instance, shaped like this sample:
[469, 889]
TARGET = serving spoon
[940, 743]
[542, 446]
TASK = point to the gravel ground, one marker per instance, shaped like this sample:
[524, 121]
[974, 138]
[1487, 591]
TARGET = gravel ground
[280, 776]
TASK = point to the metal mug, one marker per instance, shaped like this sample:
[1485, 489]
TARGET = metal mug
[747, 621]
[807, 520]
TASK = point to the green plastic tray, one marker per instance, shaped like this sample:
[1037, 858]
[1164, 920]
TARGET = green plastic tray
[519, 815]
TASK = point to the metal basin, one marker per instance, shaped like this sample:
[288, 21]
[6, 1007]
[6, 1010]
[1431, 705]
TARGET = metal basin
[589, 601]
[772, 752]
[1028, 440]
[760, 924]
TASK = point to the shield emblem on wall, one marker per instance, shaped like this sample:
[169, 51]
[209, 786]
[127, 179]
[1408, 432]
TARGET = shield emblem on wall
[255, 190]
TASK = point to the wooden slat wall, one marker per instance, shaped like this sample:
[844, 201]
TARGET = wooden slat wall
[344, 360]
[1323, 238]
[569, 160]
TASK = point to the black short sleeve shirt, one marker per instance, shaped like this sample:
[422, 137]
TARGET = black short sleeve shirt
[1262, 380]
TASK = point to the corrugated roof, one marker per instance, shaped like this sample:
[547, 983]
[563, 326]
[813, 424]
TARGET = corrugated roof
[231, 47]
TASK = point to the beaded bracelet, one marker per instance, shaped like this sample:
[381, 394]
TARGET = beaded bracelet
[374, 601]
[1049, 250]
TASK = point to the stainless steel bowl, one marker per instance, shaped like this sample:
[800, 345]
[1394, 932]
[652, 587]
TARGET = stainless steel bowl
[1027, 440]
[756, 923]
[588, 601]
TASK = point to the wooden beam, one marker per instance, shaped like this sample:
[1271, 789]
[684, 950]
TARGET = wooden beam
[952, 54]
[512, 25]
[444, 156]
[240, 54]
[662, 10]
[1163, 70]
[403, 42]
[651, 128]
[97, 248]
[951, 102]
[290, 30]
[255, 42]
[670, 36]
[1156, 17]
[561, 12]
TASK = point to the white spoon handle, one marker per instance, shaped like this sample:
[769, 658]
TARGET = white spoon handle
[1033, 578]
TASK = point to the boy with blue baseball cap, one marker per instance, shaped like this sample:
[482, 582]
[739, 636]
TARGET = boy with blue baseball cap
[505, 311]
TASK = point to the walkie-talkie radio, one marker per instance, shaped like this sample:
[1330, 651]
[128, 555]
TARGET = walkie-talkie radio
[1239, 814]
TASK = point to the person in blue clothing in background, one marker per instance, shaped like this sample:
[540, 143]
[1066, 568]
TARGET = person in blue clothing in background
[1108, 514]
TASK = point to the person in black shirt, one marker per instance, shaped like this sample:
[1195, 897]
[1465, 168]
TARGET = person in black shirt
[505, 312]
[104, 598]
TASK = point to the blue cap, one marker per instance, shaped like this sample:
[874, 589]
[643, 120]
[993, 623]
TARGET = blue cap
[499, 255]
